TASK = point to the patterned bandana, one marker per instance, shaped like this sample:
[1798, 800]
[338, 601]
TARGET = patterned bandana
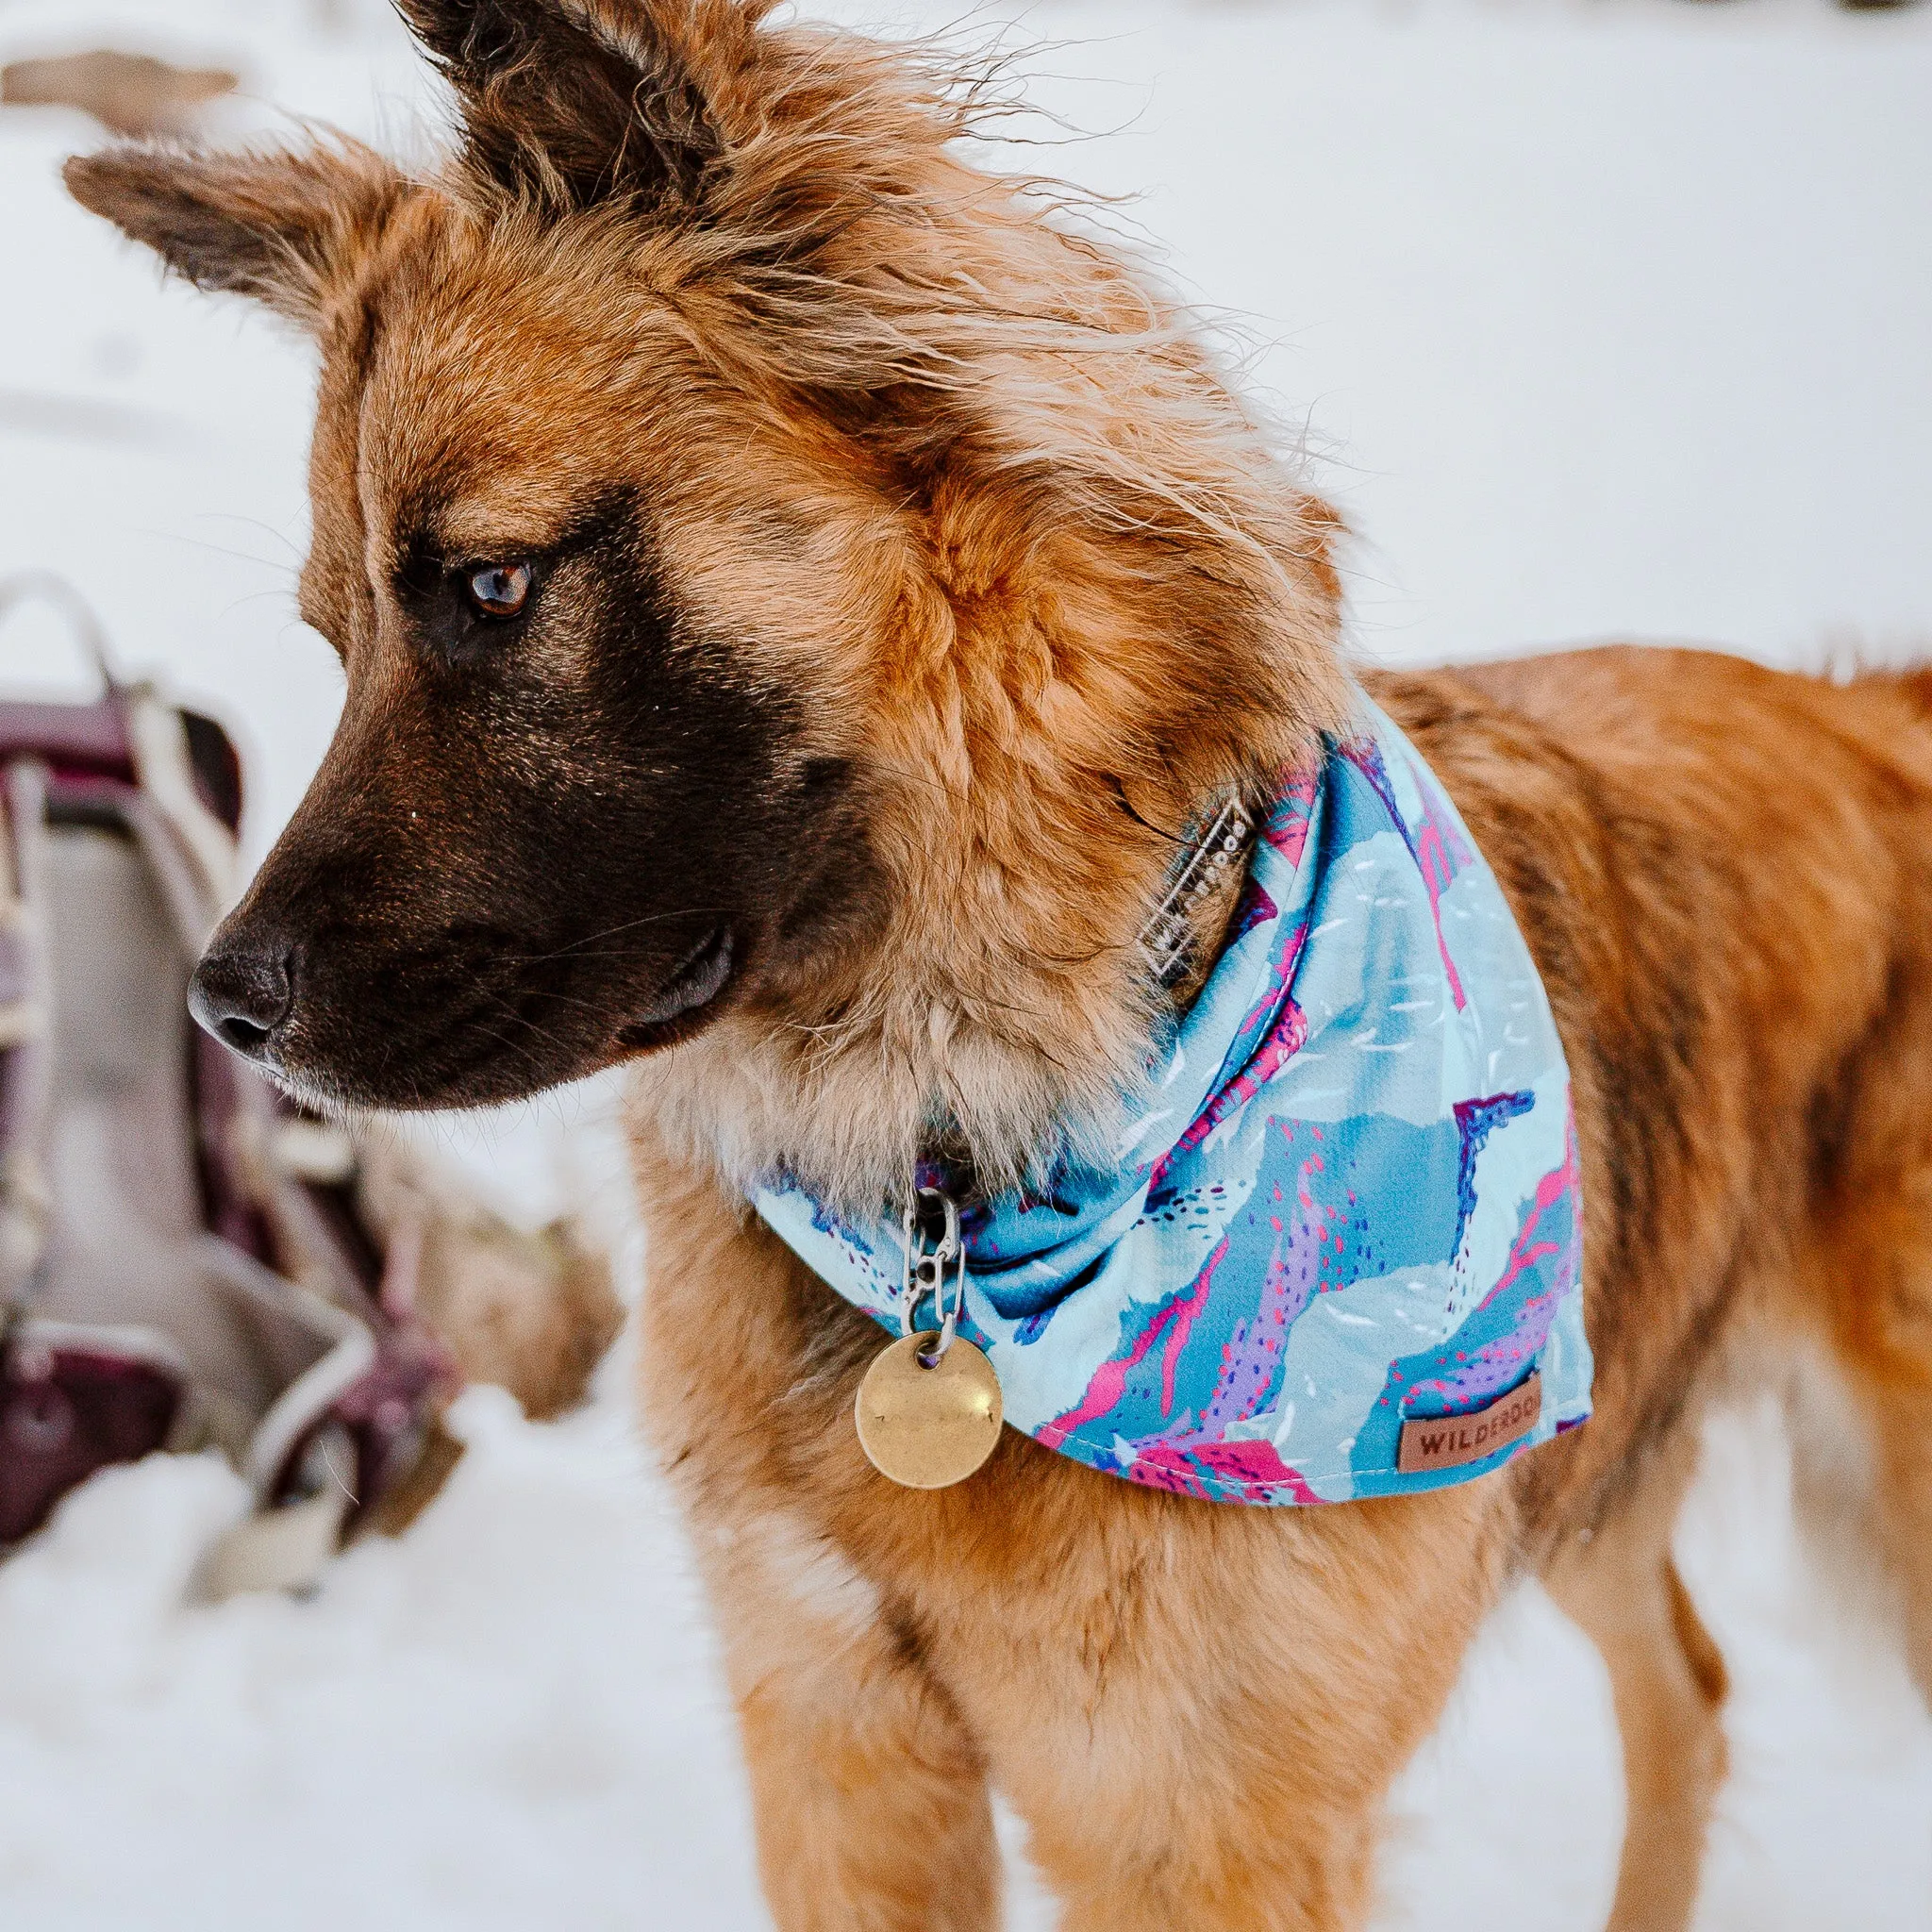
[1338, 1254]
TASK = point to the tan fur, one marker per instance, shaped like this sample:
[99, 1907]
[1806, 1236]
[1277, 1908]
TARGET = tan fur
[531, 1311]
[957, 476]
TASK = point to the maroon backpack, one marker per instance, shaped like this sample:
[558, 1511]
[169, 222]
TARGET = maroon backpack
[184, 1259]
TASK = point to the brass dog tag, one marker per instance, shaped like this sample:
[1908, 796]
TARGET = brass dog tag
[928, 1427]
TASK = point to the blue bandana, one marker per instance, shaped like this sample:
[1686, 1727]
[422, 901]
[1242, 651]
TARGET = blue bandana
[1339, 1252]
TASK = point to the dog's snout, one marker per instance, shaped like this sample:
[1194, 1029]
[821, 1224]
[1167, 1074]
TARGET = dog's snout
[242, 993]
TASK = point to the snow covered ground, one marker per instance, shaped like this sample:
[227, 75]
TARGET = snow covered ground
[1606, 316]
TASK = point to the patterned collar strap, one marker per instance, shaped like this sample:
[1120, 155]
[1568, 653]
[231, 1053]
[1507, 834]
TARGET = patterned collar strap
[1337, 1252]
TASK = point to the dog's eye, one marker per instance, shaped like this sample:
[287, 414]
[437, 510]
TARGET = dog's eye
[499, 590]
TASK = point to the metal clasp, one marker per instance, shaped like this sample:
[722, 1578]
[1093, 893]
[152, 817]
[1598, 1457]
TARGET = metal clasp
[925, 1272]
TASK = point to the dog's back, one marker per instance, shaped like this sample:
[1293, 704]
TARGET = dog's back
[1723, 874]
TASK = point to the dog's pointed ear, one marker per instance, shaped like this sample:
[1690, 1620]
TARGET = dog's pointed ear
[573, 101]
[282, 227]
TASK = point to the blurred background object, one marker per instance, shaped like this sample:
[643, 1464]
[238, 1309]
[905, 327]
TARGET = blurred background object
[127, 93]
[531, 1309]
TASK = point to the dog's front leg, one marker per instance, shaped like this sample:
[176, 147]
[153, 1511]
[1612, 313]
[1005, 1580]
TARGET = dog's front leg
[1197, 1710]
[871, 1796]
[870, 1799]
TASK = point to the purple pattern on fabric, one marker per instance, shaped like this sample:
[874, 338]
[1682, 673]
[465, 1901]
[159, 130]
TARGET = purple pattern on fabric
[1499, 1364]
[1440, 850]
[1474, 1120]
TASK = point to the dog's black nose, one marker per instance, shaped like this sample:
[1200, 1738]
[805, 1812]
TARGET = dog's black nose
[240, 995]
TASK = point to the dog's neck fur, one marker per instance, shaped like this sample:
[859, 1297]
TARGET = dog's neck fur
[1020, 1032]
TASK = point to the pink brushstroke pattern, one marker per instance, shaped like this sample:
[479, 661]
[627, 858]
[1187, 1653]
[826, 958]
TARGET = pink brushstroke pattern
[1279, 1044]
[1108, 1380]
[1249, 1371]
[1285, 827]
[1254, 1471]
[1433, 860]
[1440, 850]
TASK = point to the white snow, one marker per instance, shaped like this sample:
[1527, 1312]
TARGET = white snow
[1608, 316]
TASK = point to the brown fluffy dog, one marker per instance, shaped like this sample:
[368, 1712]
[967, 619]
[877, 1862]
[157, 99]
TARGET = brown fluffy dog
[785, 575]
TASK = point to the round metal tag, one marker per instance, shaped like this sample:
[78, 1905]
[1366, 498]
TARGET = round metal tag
[928, 1427]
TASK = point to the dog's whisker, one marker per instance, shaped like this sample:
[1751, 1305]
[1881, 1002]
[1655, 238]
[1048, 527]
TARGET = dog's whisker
[611, 932]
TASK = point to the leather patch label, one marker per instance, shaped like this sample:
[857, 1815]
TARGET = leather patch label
[1447, 1442]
